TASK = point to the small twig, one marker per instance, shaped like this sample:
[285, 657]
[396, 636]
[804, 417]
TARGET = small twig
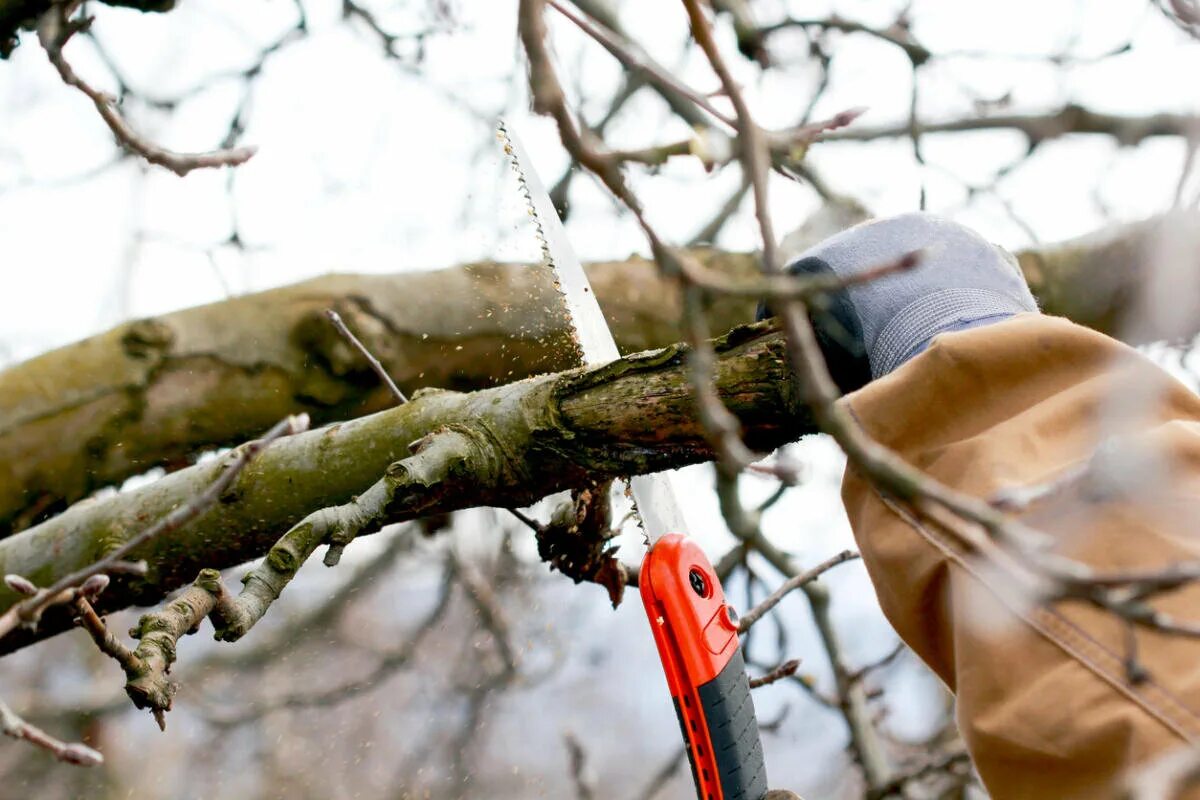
[794, 287]
[638, 62]
[784, 670]
[791, 584]
[336, 319]
[1015, 499]
[663, 775]
[55, 29]
[393, 660]
[108, 643]
[72, 753]
[528, 521]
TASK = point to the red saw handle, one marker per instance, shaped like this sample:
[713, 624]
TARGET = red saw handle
[696, 634]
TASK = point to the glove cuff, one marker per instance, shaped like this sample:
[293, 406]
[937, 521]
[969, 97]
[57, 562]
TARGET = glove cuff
[916, 324]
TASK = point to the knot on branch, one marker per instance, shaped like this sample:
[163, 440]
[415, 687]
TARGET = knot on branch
[287, 554]
[576, 541]
[333, 352]
[147, 339]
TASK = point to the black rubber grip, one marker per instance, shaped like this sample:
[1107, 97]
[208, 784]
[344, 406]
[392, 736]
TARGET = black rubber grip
[733, 732]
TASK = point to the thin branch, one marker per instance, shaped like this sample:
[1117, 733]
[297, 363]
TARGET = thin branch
[108, 643]
[72, 753]
[784, 670]
[790, 585]
[491, 616]
[638, 62]
[55, 29]
[391, 662]
[336, 319]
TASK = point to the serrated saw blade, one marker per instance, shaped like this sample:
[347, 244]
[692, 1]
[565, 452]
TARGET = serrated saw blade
[653, 495]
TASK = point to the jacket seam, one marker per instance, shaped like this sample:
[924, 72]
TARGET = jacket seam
[1075, 642]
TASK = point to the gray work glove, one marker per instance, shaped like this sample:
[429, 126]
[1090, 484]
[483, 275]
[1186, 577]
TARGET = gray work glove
[870, 329]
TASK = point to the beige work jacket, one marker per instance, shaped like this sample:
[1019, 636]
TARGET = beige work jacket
[1044, 700]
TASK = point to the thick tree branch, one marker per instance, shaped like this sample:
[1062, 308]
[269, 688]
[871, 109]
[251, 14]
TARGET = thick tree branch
[506, 446]
[156, 391]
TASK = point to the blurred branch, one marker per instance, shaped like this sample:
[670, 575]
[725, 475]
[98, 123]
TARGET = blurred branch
[581, 776]
[943, 763]
[72, 753]
[896, 34]
[394, 659]
[1037, 128]
[55, 29]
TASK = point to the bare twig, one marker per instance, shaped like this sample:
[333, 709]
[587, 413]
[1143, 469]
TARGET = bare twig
[663, 775]
[72, 753]
[790, 585]
[392, 661]
[108, 643]
[784, 670]
[631, 56]
[794, 287]
[336, 319]
[491, 616]
[55, 29]
[945, 763]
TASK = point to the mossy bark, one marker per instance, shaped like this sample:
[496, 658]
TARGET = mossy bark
[519, 442]
[155, 391]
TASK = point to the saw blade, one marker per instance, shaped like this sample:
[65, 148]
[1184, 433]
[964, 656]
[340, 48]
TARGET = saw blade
[653, 495]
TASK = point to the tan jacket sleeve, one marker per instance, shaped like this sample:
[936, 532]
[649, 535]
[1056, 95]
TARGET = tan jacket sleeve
[1044, 702]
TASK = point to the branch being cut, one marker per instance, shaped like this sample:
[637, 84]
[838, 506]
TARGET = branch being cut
[156, 391]
[507, 446]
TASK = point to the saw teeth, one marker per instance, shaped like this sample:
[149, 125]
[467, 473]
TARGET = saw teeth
[523, 186]
[539, 232]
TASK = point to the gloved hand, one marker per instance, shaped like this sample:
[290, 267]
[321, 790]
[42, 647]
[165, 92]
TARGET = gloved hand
[870, 329]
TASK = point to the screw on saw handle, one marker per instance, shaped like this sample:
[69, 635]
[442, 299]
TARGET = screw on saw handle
[696, 634]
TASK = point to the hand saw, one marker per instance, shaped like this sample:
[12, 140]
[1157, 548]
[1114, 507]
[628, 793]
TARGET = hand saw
[694, 628]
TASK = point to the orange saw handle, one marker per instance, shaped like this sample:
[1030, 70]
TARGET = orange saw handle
[696, 634]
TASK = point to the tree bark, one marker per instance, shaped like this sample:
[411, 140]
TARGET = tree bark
[508, 446]
[157, 391]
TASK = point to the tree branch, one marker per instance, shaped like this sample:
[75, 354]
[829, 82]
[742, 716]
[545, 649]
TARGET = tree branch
[503, 447]
[157, 391]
